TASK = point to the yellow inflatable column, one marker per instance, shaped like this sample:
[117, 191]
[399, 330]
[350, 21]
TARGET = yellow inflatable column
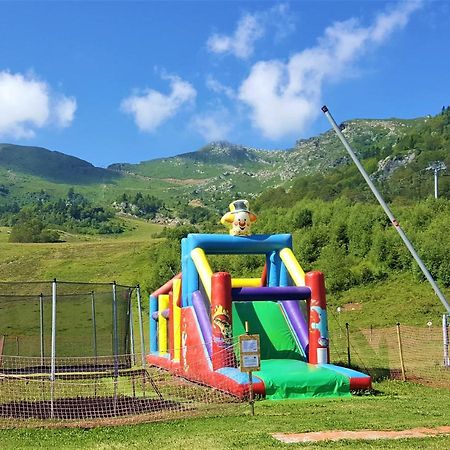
[163, 304]
[293, 267]
[245, 282]
[203, 269]
[176, 299]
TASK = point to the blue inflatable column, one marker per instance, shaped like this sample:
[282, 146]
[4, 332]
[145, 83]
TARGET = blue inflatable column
[153, 325]
[273, 266]
[285, 279]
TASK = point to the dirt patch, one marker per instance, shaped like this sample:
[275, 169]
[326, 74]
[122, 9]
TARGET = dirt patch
[352, 307]
[320, 436]
[196, 203]
[186, 181]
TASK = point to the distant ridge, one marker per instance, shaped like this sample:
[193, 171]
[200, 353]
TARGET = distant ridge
[52, 165]
[319, 154]
[394, 149]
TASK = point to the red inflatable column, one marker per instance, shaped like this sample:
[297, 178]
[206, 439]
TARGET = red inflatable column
[319, 351]
[222, 333]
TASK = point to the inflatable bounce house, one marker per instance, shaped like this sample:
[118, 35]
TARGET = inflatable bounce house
[197, 317]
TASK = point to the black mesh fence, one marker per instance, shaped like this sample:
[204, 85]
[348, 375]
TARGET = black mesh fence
[91, 322]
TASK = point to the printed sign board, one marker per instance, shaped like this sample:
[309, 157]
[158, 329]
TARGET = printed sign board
[250, 352]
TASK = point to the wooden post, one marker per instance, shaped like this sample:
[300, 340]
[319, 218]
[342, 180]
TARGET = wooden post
[2, 344]
[400, 350]
[347, 332]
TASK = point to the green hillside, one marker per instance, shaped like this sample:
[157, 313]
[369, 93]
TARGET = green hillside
[396, 152]
[125, 258]
[51, 165]
[243, 171]
[191, 186]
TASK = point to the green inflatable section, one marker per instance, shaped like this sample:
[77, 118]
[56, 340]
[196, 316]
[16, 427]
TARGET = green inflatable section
[283, 368]
[267, 320]
[290, 378]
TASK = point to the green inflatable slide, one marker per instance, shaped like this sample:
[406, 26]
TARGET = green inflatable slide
[284, 369]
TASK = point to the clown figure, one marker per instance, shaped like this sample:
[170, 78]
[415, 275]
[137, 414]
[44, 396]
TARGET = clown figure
[239, 219]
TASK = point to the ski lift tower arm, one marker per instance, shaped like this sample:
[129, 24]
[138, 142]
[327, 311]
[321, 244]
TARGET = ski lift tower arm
[385, 207]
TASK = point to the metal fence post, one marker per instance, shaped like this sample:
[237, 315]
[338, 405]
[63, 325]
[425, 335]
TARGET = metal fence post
[141, 324]
[132, 345]
[53, 351]
[445, 339]
[115, 343]
[41, 326]
[94, 325]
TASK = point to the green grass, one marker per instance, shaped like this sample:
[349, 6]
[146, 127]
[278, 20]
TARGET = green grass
[21, 184]
[4, 234]
[397, 406]
[400, 298]
[124, 258]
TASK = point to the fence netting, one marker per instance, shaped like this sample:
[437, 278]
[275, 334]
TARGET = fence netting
[381, 352]
[149, 390]
[91, 320]
[97, 371]
[87, 362]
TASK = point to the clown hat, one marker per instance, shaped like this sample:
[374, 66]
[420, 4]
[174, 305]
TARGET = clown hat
[239, 206]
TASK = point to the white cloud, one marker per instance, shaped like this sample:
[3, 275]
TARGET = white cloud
[285, 97]
[282, 20]
[217, 87]
[64, 111]
[396, 19]
[250, 28]
[214, 125]
[27, 104]
[241, 43]
[151, 108]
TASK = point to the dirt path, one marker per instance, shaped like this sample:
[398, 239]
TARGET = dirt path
[319, 436]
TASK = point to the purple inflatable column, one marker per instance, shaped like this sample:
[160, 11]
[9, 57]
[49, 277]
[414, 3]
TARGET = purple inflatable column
[203, 319]
[294, 314]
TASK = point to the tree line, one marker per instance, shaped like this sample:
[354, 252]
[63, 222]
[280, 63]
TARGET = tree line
[353, 243]
[41, 217]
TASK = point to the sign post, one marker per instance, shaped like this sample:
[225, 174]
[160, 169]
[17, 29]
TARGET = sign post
[250, 356]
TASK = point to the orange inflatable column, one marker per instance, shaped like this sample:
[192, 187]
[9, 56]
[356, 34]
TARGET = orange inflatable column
[319, 351]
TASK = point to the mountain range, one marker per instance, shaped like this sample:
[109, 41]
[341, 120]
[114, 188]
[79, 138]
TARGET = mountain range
[222, 170]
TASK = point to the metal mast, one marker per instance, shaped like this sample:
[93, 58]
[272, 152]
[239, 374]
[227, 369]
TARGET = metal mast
[386, 208]
[436, 167]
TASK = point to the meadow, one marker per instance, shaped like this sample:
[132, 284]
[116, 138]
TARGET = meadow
[126, 258]
[393, 406]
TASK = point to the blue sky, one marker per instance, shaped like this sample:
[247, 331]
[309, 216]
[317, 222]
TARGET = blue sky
[122, 81]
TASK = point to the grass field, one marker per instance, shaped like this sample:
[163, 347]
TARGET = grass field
[396, 406]
[401, 298]
[127, 258]
[124, 258]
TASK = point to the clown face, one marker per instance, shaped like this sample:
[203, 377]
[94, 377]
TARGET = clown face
[241, 224]
[238, 221]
